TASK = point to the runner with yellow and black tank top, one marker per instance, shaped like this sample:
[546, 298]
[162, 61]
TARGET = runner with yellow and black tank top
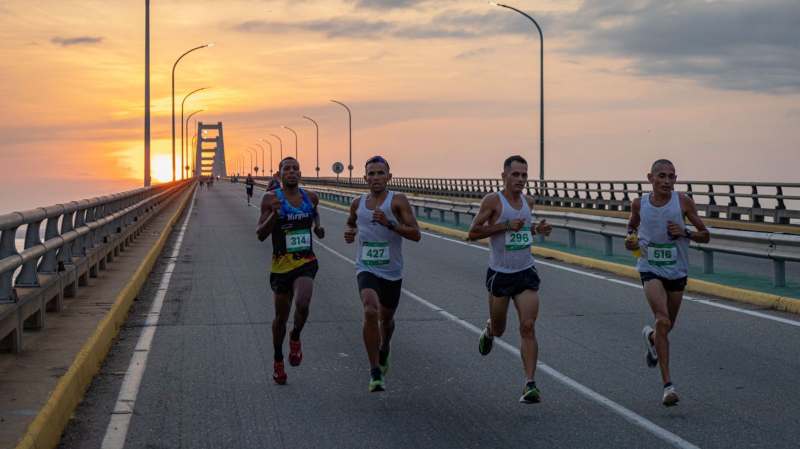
[657, 231]
[506, 218]
[378, 222]
[289, 214]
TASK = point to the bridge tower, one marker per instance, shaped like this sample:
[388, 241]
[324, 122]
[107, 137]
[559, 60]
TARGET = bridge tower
[210, 152]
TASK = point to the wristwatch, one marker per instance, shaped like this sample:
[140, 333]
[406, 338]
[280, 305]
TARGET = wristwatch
[687, 233]
[390, 226]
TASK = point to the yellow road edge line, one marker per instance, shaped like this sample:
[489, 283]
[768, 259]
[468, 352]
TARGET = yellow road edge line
[46, 429]
[768, 300]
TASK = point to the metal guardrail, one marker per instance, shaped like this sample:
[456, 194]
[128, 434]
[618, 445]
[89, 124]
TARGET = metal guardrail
[757, 202]
[80, 238]
[777, 247]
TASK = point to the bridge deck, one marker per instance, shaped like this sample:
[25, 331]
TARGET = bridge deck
[207, 382]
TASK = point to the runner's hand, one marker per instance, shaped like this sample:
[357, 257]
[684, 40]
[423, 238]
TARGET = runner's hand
[516, 225]
[631, 242]
[544, 228]
[674, 230]
[319, 231]
[275, 204]
[379, 217]
[350, 235]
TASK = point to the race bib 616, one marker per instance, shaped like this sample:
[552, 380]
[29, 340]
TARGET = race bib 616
[662, 254]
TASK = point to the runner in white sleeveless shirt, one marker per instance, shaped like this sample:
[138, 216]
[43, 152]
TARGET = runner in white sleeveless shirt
[505, 217]
[380, 220]
[663, 264]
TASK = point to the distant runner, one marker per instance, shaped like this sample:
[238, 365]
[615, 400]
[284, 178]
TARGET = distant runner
[506, 217]
[380, 220]
[656, 228]
[249, 185]
[275, 182]
[288, 214]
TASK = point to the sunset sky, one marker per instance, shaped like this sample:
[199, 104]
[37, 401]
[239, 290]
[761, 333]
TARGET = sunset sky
[441, 88]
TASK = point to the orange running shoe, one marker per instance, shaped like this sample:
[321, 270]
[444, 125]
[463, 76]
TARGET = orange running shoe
[279, 374]
[295, 352]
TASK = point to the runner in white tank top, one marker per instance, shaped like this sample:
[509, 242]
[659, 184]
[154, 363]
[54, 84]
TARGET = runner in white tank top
[380, 220]
[663, 241]
[506, 218]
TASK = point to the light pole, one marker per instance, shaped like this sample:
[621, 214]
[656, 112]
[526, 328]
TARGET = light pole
[186, 127]
[263, 161]
[280, 141]
[183, 145]
[317, 127]
[295, 140]
[271, 171]
[541, 86]
[250, 151]
[350, 129]
[146, 93]
[173, 101]
[194, 154]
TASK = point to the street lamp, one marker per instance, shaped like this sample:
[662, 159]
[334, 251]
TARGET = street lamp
[350, 128]
[250, 151]
[271, 171]
[295, 140]
[183, 145]
[173, 100]
[186, 127]
[263, 161]
[317, 127]
[541, 86]
[281, 142]
[146, 93]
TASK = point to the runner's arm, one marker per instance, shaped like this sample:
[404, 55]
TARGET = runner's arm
[480, 228]
[408, 228]
[318, 229]
[633, 225]
[701, 235]
[352, 222]
[269, 215]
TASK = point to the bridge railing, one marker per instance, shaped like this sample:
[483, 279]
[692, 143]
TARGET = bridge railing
[757, 202]
[78, 239]
[777, 247]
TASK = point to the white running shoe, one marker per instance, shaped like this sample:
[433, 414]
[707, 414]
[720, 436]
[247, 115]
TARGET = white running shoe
[670, 396]
[651, 356]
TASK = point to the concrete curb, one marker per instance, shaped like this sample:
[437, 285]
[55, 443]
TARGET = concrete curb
[780, 303]
[46, 429]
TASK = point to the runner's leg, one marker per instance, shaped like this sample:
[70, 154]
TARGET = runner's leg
[303, 289]
[283, 305]
[527, 304]
[371, 331]
[498, 311]
[657, 298]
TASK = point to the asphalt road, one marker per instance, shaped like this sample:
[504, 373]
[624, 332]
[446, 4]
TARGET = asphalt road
[207, 380]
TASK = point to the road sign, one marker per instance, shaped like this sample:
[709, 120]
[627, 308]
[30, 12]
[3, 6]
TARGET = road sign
[338, 167]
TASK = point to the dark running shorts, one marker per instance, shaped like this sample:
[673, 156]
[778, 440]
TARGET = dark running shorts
[249, 191]
[284, 282]
[504, 285]
[388, 291]
[670, 285]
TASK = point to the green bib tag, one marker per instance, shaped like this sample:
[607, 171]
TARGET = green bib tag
[662, 254]
[519, 240]
[375, 253]
[297, 241]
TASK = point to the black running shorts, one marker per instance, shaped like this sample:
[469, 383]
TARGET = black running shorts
[670, 285]
[284, 282]
[504, 285]
[388, 291]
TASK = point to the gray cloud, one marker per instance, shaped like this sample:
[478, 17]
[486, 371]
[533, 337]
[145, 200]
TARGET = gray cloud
[387, 4]
[80, 40]
[725, 44]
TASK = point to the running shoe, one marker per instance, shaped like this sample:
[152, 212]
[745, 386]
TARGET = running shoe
[485, 341]
[651, 356]
[670, 397]
[376, 384]
[531, 394]
[295, 352]
[279, 374]
[383, 361]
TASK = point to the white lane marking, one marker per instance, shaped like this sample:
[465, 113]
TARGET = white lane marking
[625, 413]
[691, 298]
[117, 429]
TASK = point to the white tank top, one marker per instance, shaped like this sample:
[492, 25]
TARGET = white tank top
[661, 255]
[380, 251]
[511, 251]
